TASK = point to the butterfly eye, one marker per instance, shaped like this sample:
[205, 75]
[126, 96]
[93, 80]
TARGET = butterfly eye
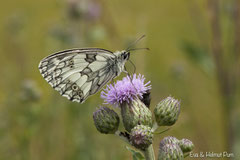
[71, 66]
[126, 56]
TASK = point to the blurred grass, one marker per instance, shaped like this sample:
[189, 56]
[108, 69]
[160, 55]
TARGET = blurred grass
[51, 127]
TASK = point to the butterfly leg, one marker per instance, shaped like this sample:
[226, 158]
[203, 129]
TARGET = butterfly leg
[131, 77]
[127, 73]
[112, 82]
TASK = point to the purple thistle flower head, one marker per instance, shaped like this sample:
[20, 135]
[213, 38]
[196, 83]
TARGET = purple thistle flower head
[125, 90]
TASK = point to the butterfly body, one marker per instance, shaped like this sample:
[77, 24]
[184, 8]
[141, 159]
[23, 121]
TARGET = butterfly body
[79, 73]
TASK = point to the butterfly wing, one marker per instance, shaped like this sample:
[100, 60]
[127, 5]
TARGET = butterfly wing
[78, 73]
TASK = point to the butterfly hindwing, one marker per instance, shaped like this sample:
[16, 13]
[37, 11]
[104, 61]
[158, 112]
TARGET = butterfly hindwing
[78, 73]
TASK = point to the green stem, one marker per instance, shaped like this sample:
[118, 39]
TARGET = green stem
[186, 155]
[149, 153]
[155, 126]
[161, 132]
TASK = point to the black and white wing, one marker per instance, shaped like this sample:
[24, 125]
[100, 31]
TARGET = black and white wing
[78, 73]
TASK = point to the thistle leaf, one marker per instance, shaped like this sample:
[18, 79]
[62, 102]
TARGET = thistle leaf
[136, 155]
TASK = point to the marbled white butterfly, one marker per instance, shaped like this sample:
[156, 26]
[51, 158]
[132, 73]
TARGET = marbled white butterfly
[79, 73]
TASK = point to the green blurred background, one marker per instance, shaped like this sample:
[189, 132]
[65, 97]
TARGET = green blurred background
[185, 40]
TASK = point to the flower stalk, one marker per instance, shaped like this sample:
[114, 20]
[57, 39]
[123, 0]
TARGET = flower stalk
[149, 153]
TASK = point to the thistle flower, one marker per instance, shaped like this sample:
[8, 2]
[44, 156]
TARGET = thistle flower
[170, 151]
[132, 96]
[167, 111]
[125, 90]
[106, 120]
[186, 145]
[141, 137]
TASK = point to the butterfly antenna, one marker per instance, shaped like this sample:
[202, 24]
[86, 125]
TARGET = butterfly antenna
[133, 49]
[135, 42]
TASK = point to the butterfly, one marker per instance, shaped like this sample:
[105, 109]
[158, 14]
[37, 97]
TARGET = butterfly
[80, 73]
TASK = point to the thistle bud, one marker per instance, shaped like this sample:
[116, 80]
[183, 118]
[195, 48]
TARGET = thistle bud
[170, 151]
[141, 137]
[167, 111]
[186, 145]
[106, 120]
[169, 140]
[135, 113]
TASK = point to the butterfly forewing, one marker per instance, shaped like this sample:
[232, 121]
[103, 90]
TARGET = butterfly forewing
[79, 73]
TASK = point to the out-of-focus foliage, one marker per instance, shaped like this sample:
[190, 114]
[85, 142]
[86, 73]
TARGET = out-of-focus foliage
[199, 56]
[37, 123]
